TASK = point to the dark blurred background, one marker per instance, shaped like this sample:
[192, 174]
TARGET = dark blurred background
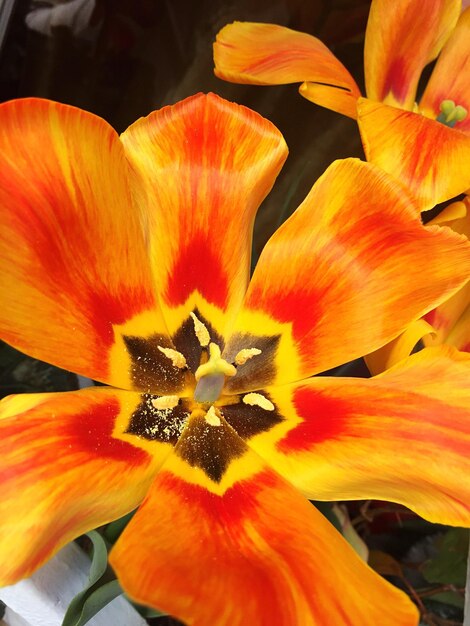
[121, 59]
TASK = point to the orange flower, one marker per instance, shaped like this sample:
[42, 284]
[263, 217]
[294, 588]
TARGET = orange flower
[402, 37]
[127, 260]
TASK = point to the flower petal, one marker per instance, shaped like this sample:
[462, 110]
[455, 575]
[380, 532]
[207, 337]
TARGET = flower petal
[69, 463]
[399, 348]
[402, 37]
[76, 279]
[451, 319]
[449, 79]
[203, 166]
[250, 551]
[342, 277]
[340, 100]
[403, 436]
[427, 156]
[267, 54]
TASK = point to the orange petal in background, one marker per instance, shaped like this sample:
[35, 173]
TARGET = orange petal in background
[427, 156]
[402, 37]
[449, 79]
[268, 54]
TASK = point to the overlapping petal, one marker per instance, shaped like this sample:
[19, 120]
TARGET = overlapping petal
[75, 275]
[451, 320]
[202, 168]
[268, 54]
[248, 550]
[340, 100]
[449, 79]
[399, 348]
[427, 156]
[402, 37]
[402, 436]
[67, 466]
[342, 277]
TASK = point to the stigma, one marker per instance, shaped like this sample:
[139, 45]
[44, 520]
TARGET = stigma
[451, 113]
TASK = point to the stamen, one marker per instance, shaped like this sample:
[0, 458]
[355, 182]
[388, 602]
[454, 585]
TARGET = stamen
[256, 399]
[244, 355]
[175, 357]
[450, 113]
[201, 331]
[215, 365]
[165, 402]
[212, 418]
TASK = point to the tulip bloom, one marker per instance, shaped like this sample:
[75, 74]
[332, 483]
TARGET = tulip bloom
[126, 259]
[402, 37]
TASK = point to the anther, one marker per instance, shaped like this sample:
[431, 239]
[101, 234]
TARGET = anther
[244, 355]
[256, 399]
[201, 331]
[165, 402]
[212, 418]
[175, 357]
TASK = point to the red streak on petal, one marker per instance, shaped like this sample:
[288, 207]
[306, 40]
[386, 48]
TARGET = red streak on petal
[324, 420]
[396, 81]
[302, 308]
[91, 432]
[68, 261]
[233, 507]
[197, 268]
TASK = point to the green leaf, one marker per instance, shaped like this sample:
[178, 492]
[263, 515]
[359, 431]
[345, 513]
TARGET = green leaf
[99, 562]
[450, 597]
[79, 612]
[145, 611]
[98, 599]
[449, 566]
[114, 529]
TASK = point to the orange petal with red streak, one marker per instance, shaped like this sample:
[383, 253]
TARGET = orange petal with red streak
[402, 436]
[251, 552]
[203, 167]
[427, 156]
[451, 319]
[402, 37]
[267, 54]
[75, 274]
[342, 277]
[449, 79]
[67, 466]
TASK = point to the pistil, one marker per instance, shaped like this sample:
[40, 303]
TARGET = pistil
[451, 113]
[210, 376]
